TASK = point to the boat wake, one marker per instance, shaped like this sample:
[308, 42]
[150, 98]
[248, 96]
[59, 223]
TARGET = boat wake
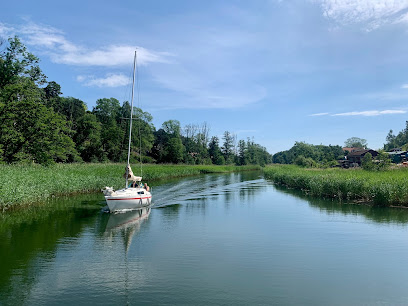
[193, 189]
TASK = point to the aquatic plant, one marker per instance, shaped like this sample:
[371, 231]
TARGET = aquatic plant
[382, 188]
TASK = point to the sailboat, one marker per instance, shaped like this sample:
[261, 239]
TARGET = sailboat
[134, 195]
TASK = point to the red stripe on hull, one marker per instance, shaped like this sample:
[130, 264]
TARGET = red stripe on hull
[128, 199]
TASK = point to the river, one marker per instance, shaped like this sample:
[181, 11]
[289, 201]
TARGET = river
[231, 239]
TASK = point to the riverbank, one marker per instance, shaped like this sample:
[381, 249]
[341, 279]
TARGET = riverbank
[26, 184]
[384, 188]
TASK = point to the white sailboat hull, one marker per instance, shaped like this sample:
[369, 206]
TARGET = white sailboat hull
[128, 199]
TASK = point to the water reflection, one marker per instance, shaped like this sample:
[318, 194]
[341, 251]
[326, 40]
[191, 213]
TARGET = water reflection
[72, 253]
[373, 213]
[126, 224]
[29, 241]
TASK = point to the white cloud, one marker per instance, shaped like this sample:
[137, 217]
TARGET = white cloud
[5, 30]
[373, 13]
[203, 76]
[319, 114]
[111, 80]
[371, 113]
[54, 43]
[404, 86]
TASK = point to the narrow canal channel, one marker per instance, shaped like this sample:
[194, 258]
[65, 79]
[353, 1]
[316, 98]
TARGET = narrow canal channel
[211, 239]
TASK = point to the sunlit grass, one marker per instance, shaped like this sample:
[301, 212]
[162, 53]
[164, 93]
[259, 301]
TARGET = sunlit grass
[377, 187]
[25, 184]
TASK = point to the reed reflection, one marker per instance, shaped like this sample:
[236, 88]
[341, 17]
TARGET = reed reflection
[373, 213]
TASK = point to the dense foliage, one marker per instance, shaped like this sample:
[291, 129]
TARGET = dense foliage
[38, 125]
[356, 142]
[308, 155]
[397, 141]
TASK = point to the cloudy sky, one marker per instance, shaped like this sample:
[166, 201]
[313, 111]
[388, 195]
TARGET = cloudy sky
[280, 71]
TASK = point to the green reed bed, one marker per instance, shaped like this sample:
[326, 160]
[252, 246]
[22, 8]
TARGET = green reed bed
[378, 187]
[25, 184]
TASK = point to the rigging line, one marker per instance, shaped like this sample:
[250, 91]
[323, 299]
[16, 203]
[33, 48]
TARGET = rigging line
[140, 119]
[131, 121]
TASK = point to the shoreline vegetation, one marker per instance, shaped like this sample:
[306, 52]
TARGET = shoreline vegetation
[381, 188]
[23, 185]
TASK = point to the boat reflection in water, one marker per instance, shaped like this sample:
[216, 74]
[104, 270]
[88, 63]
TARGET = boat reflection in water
[126, 223]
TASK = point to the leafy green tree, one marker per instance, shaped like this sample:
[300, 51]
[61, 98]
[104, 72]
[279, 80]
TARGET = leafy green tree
[322, 155]
[29, 129]
[107, 111]
[172, 127]
[367, 162]
[52, 94]
[72, 109]
[398, 141]
[17, 62]
[142, 131]
[383, 161]
[168, 146]
[228, 147]
[242, 153]
[355, 142]
[215, 151]
[88, 138]
[195, 139]
[175, 150]
[305, 162]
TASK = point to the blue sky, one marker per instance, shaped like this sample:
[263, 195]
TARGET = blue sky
[318, 71]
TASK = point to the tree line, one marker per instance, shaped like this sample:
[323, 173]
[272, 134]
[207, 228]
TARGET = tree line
[38, 124]
[308, 155]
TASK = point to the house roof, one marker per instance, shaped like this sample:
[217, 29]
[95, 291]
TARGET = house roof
[362, 152]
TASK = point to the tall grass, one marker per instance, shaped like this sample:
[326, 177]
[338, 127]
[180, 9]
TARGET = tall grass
[379, 187]
[25, 184]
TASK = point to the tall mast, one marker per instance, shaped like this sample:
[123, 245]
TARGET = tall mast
[131, 120]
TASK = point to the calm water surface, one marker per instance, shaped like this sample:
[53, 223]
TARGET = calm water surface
[215, 239]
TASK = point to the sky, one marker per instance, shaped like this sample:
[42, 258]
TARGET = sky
[280, 71]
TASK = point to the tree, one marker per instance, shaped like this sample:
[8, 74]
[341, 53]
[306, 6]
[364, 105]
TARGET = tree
[142, 131]
[355, 142]
[383, 161]
[17, 62]
[228, 147]
[305, 162]
[172, 127]
[29, 129]
[215, 152]
[321, 154]
[88, 138]
[398, 141]
[367, 162]
[108, 113]
[107, 110]
[195, 139]
[168, 146]
[242, 153]
[72, 109]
